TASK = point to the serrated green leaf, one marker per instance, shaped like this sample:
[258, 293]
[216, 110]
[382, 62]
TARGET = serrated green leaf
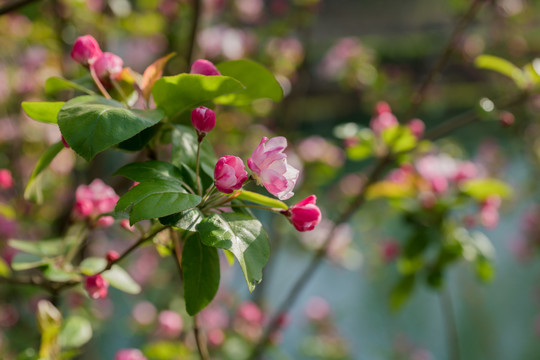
[242, 235]
[91, 124]
[55, 84]
[260, 199]
[46, 112]
[92, 265]
[175, 94]
[31, 191]
[259, 82]
[120, 279]
[200, 266]
[502, 66]
[401, 292]
[481, 189]
[76, 331]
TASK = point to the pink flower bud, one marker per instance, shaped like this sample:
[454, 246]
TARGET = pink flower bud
[104, 221]
[506, 118]
[270, 167]
[170, 324]
[129, 354]
[229, 174]
[203, 119]
[390, 250]
[250, 312]
[6, 180]
[112, 256]
[417, 127]
[107, 65]
[204, 67]
[383, 118]
[466, 170]
[85, 50]
[305, 215]
[93, 200]
[489, 217]
[125, 224]
[382, 107]
[317, 309]
[96, 286]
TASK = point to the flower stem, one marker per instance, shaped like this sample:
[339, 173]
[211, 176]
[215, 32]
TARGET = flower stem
[199, 189]
[99, 84]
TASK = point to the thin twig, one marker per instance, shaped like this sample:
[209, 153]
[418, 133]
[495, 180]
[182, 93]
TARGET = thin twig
[196, 8]
[199, 339]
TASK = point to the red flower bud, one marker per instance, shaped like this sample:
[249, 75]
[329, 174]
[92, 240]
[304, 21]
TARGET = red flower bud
[85, 50]
[229, 174]
[204, 67]
[203, 119]
[96, 286]
[112, 256]
[305, 215]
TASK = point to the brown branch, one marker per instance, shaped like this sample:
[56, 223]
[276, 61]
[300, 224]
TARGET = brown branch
[200, 340]
[14, 5]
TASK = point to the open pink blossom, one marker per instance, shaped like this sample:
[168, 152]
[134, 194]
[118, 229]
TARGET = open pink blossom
[6, 180]
[270, 167]
[203, 119]
[204, 67]
[229, 174]
[96, 286]
[108, 65]
[305, 215]
[85, 50]
[129, 354]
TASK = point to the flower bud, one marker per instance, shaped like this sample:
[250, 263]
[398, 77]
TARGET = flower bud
[305, 215]
[108, 65]
[506, 118]
[170, 324]
[203, 119]
[204, 67]
[129, 354]
[111, 256]
[229, 174]
[417, 127]
[6, 180]
[85, 50]
[96, 286]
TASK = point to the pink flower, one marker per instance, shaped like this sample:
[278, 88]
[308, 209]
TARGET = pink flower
[93, 200]
[383, 118]
[104, 221]
[6, 180]
[305, 215]
[250, 312]
[390, 250]
[317, 309]
[125, 224]
[204, 67]
[203, 119]
[108, 65]
[170, 324]
[85, 50]
[489, 212]
[112, 256]
[96, 286]
[417, 127]
[229, 174]
[269, 165]
[129, 354]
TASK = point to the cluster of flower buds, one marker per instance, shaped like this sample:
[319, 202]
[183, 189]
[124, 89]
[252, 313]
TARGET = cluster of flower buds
[104, 65]
[93, 200]
[96, 286]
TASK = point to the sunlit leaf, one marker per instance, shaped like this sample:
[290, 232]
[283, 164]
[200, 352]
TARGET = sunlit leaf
[481, 189]
[120, 279]
[76, 331]
[46, 112]
[502, 66]
[152, 74]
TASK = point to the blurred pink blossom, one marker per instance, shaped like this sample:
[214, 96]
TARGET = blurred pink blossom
[170, 324]
[317, 309]
[96, 286]
[6, 180]
[390, 250]
[129, 354]
[144, 312]
[204, 67]
[95, 199]
[383, 119]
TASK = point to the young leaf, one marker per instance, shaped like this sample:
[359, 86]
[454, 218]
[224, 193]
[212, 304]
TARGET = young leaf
[91, 124]
[260, 199]
[481, 189]
[152, 74]
[31, 191]
[76, 331]
[242, 235]
[175, 94]
[46, 112]
[502, 66]
[200, 266]
[120, 279]
[399, 138]
[258, 80]
[92, 265]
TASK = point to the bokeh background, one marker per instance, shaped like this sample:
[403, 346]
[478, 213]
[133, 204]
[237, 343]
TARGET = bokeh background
[334, 59]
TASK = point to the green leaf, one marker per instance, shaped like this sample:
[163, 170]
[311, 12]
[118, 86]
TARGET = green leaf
[91, 124]
[260, 199]
[55, 84]
[175, 94]
[43, 248]
[140, 140]
[31, 191]
[92, 265]
[242, 235]
[46, 112]
[5, 271]
[399, 138]
[161, 191]
[76, 331]
[401, 292]
[502, 66]
[481, 189]
[23, 261]
[54, 273]
[186, 220]
[485, 269]
[200, 266]
[259, 82]
[120, 279]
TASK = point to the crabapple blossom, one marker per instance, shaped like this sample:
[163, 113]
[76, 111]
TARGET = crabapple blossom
[317, 309]
[204, 67]
[229, 174]
[383, 118]
[170, 324]
[112, 256]
[129, 354]
[107, 66]
[489, 212]
[305, 215]
[6, 180]
[389, 250]
[417, 127]
[85, 50]
[203, 119]
[96, 286]
[270, 167]
[93, 200]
